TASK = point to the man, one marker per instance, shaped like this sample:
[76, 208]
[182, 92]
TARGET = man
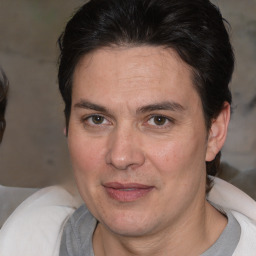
[147, 105]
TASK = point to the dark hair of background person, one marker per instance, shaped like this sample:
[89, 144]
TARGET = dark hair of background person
[3, 101]
[194, 29]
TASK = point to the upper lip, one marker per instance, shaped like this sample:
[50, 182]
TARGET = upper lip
[118, 185]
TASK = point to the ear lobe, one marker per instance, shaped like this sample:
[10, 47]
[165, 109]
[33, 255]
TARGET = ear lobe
[65, 131]
[218, 133]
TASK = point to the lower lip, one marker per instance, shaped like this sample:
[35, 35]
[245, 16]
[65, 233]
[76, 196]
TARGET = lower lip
[127, 195]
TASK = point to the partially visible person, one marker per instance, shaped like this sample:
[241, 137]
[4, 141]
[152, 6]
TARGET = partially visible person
[10, 197]
[47, 207]
[3, 101]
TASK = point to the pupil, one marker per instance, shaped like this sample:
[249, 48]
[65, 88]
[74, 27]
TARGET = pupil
[159, 120]
[97, 119]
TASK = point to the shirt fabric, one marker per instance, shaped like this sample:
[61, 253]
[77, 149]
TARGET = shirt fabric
[228, 240]
[78, 232]
[11, 198]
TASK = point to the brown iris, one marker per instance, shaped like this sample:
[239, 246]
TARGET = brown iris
[97, 119]
[159, 120]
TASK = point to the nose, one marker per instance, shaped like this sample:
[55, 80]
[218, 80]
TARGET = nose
[124, 150]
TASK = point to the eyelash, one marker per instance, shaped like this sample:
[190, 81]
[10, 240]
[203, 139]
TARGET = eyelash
[86, 119]
[167, 121]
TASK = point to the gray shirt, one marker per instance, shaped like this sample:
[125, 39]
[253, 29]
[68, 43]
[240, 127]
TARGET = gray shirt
[78, 231]
[228, 240]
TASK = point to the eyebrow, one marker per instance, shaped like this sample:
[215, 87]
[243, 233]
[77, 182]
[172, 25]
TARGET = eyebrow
[88, 105]
[166, 105]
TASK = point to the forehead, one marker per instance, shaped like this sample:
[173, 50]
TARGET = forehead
[144, 73]
[126, 60]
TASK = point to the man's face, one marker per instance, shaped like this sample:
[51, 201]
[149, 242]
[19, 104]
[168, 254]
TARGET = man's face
[137, 139]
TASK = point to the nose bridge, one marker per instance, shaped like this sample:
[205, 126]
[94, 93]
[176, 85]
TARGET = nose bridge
[124, 149]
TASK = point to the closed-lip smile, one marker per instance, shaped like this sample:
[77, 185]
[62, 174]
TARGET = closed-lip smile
[126, 192]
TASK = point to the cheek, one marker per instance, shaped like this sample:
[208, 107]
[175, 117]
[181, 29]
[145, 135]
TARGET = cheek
[178, 156]
[87, 163]
[86, 155]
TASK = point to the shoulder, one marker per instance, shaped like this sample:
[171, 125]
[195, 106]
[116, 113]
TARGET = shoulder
[243, 208]
[38, 222]
[247, 242]
[230, 197]
[10, 198]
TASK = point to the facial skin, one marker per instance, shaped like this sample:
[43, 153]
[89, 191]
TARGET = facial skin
[138, 145]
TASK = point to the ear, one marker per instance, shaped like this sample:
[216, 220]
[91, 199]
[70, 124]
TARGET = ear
[218, 133]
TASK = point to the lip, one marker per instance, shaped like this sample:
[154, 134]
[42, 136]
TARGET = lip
[126, 192]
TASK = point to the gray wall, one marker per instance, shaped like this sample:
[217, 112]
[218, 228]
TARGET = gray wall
[240, 148]
[34, 151]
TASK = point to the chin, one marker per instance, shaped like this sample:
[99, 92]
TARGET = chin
[128, 230]
[130, 225]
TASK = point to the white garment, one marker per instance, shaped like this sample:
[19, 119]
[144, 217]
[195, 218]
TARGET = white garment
[10, 198]
[35, 228]
[243, 208]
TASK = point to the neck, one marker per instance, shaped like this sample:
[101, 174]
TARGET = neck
[192, 235]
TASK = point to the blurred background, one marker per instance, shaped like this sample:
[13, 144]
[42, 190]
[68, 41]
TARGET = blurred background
[34, 151]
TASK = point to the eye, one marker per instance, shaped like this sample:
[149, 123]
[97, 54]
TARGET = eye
[96, 120]
[159, 121]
